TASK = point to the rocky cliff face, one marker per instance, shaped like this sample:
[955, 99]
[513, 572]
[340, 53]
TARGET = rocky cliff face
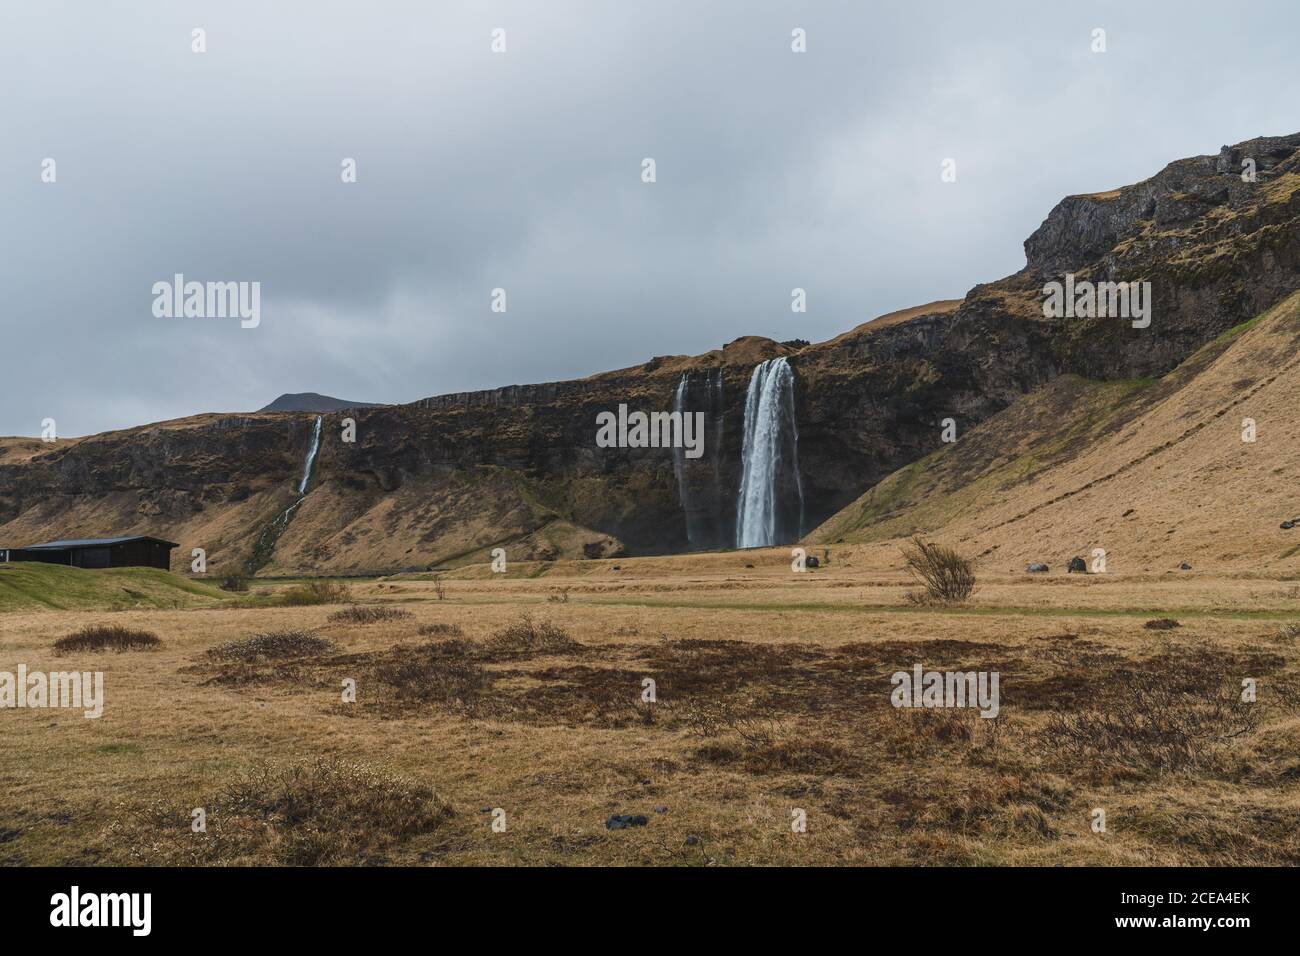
[451, 477]
[1216, 249]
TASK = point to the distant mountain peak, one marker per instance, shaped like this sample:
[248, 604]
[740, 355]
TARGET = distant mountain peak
[312, 402]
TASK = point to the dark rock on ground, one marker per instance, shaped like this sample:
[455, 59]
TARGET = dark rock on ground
[1037, 568]
[1077, 566]
[621, 821]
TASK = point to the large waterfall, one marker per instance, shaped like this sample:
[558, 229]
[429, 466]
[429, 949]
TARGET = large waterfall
[770, 509]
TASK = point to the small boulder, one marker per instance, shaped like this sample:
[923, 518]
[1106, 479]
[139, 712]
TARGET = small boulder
[621, 821]
[1184, 566]
[1288, 525]
[1037, 568]
[811, 562]
[1077, 566]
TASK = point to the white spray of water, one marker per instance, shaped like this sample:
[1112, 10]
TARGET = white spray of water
[769, 450]
[271, 533]
[311, 457]
[679, 464]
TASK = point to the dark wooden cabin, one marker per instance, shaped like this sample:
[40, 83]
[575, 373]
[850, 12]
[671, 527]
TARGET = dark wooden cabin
[136, 551]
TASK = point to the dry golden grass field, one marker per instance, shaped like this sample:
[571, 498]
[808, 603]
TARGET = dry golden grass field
[517, 699]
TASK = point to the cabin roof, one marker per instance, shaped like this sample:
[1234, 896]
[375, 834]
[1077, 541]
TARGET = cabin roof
[93, 543]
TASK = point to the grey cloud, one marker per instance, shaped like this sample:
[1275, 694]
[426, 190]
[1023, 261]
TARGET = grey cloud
[522, 171]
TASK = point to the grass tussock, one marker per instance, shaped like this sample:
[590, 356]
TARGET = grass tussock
[1287, 633]
[106, 637]
[441, 630]
[442, 672]
[274, 645]
[946, 576]
[315, 592]
[1156, 720]
[368, 614]
[325, 811]
[717, 716]
[527, 637]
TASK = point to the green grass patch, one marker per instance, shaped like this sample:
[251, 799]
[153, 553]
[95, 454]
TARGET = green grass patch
[32, 586]
[119, 748]
[973, 611]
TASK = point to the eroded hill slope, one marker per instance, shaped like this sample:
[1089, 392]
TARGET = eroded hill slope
[1154, 471]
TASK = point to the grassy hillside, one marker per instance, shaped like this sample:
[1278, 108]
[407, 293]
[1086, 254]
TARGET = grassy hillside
[436, 521]
[29, 585]
[1153, 470]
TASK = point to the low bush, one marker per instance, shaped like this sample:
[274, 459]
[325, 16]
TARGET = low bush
[324, 811]
[444, 672]
[315, 592]
[274, 645]
[368, 614]
[441, 630]
[527, 637]
[947, 576]
[107, 637]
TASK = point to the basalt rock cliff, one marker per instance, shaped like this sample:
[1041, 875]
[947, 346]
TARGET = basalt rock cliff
[448, 479]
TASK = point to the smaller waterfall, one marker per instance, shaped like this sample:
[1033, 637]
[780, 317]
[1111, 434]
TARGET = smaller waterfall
[265, 544]
[769, 460]
[311, 457]
[679, 464]
[699, 481]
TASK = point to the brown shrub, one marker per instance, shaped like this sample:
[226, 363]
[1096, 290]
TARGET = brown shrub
[444, 672]
[800, 755]
[106, 637]
[1158, 720]
[948, 577]
[1162, 624]
[716, 716]
[318, 812]
[368, 614]
[1287, 632]
[528, 637]
[441, 630]
[315, 592]
[275, 645]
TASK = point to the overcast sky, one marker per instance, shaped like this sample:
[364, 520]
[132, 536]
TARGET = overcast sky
[522, 170]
